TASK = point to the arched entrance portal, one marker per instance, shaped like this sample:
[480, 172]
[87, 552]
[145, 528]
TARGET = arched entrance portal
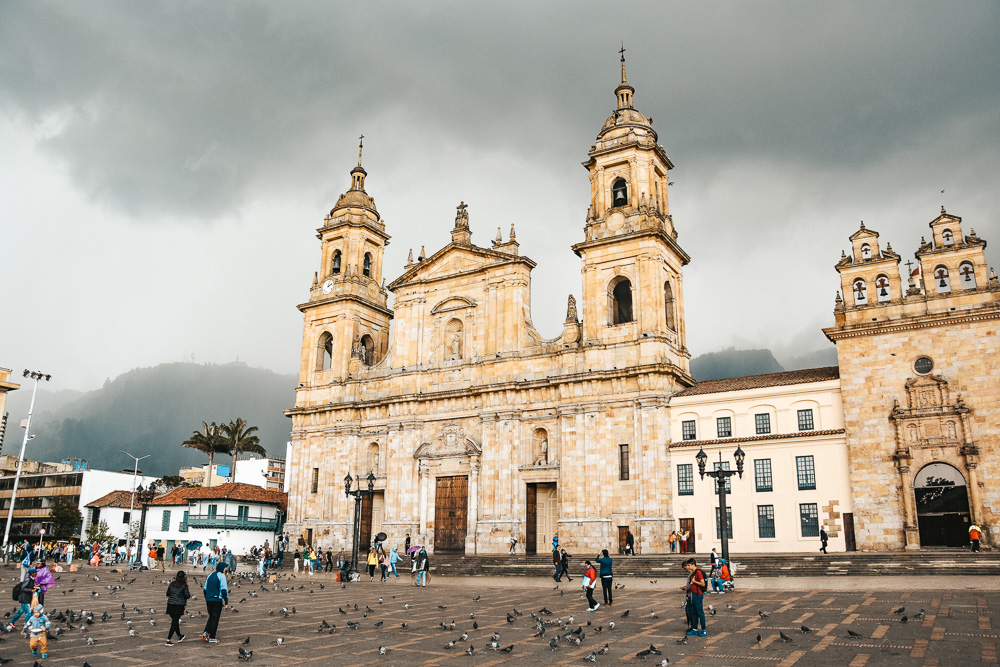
[942, 506]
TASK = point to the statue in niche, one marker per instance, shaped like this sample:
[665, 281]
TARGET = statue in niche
[356, 350]
[571, 315]
[544, 458]
[456, 346]
[951, 430]
[913, 433]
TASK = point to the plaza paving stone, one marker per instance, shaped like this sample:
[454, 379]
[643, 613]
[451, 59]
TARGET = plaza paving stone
[957, 628]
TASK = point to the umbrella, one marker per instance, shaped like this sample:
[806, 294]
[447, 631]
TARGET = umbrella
[381, 537]
[194, 544]
[413, 549]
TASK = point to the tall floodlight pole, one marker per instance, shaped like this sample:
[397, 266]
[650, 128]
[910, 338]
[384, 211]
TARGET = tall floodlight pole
[36, 376]
[131, 504]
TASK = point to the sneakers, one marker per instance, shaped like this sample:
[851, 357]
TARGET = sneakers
[596, 605]
[45, 655]
[591, 608]
[180, 639]
[691, 633]
[213, 640]
[34, 652]
[204, 636]
[168, 643]
[703, 633]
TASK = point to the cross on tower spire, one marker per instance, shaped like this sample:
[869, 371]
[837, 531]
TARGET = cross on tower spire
[361, 145]
[622, 51]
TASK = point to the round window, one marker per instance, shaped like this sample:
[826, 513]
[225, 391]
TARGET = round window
[923, 365]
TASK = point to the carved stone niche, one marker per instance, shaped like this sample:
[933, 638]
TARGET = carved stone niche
[932, 418]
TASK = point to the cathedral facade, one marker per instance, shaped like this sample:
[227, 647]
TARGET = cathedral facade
[477, 429]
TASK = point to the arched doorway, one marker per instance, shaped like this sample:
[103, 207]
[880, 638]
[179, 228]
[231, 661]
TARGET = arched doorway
[942, 506]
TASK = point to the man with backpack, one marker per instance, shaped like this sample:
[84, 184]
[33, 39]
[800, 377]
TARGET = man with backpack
[22, 593]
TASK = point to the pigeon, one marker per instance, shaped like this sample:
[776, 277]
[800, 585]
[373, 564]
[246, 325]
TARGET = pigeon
[245, 655]
[279, 640]
[625, 615]
[465, 635]
[471, 650]
[553, 644]
[476, 599]
[441, 607]
[450, 645]
[762, 614]
[131, 632]
[759, 638]
[510, 618]
[852, 633]
[591, 658]
[920, 614]
[507, 649]
[642, 654]
[652, 614]
[382, 650]
[475, 625]
[379, 624]
[495, 637]
[784, 637]
[805, 630]
[90, 641]
[654, 650]
[611, 625]
[900, 610]
[682, 640]
[247, 640]
[904, 619]
[516, 612]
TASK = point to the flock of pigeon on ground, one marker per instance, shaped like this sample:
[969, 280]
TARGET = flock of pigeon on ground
[557, 631]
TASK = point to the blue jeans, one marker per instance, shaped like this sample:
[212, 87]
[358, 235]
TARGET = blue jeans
[421, 577]
[696, 611]
[25, 609]
[673, 546]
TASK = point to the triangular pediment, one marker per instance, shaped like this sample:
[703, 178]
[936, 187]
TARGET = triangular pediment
[863, 233]
[455, 259]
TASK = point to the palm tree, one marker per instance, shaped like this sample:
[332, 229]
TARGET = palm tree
[240, 439]
[209, 441]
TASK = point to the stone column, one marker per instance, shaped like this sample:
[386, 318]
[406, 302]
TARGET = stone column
[910, 527]
[423, 473]
[471, 539]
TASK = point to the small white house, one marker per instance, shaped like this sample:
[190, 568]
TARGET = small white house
[790, 427]
[236, 516]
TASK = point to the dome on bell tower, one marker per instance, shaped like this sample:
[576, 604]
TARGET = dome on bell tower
[626, 119]
[356, 197]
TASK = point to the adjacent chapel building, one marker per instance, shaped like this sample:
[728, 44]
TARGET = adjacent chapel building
[477, 428]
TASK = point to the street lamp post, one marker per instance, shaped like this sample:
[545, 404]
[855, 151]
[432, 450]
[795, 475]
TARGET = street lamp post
[135, 474]
[36, 376]
[721, 478]
[145, 497]
[359, 494]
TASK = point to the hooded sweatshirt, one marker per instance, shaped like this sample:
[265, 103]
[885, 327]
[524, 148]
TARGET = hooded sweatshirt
[43, 579]
[216, 587]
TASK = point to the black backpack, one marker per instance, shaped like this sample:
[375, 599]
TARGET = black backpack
[15, 593]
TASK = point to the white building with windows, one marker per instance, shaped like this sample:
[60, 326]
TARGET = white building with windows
[236, 516]
[795, 479]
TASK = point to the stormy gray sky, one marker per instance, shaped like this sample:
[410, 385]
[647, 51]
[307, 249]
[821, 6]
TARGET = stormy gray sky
[164, 166]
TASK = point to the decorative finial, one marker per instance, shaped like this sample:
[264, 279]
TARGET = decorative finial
[888, 247]
[499, 238]
[843, 255]
[462, 216]
[361, 145]
[838, 299]
[862, 224]
[571, 315]
[315, 278]
[942, 207]
[422, 254]
[512, 235]
[409, 258]
[622, 51]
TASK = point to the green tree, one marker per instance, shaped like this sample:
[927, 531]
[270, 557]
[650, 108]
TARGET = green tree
[66, 518]
[241, 440]
[168, 482]
[99, 532]
[208, 441]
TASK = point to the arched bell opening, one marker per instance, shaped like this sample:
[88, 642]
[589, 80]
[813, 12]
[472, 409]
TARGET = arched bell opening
[619, 193]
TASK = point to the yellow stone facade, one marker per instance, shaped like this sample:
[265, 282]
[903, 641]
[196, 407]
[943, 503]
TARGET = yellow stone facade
[463, 387]
[920, 380]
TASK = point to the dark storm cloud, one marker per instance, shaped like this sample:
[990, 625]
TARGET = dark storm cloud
[190, 109]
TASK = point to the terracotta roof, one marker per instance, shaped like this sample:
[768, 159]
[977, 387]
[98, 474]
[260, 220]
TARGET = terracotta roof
[121, 499]
[766, 380]
[755, 438]
[231, 491]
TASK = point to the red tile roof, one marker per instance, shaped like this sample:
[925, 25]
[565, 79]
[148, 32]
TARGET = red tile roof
[121, 499]
[231, 491]
[755, 438]
[766, 380]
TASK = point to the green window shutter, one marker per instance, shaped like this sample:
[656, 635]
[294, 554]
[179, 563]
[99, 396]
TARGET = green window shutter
[166, 520]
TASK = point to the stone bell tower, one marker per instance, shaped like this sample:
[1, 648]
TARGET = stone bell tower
[632, 281]
[346, 325]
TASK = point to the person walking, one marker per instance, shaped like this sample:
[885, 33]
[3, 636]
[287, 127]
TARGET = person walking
[975, 535]
[695, 591]
[589, 583]
[684, 541]
[24, 596]
[43, 580]
[372, 563]
[341, 559]
[714, 557]
[557, 561]
[629, 543]
[393, 559]
[296, 557]
[605, 561]
[423, 567]
[564, 561]
[36, 628]
[229, 558]
[672, 540]
[383, 564]
[406, 544]
[216, 599]
[177, 597]
[824, 538]
[513, 543]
